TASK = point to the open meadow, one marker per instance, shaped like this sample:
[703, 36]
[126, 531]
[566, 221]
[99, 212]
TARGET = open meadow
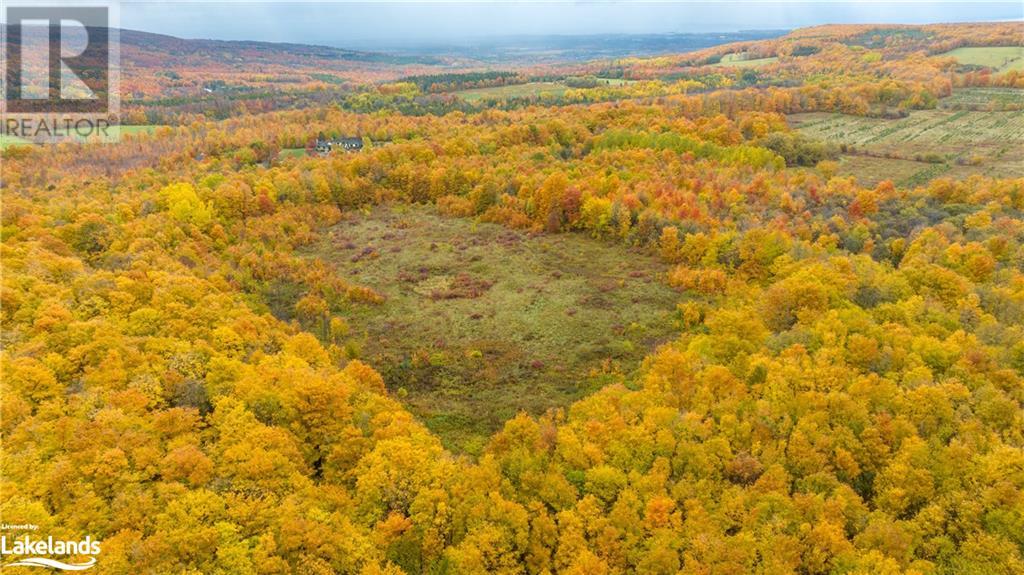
[481, 322]
[528, 90]
[741, 60]
[539, 90]
[999, 58]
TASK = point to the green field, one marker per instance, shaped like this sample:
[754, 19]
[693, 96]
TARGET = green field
[124, 130]
[965, 142]
[6, 141]
[292, 153]
[114, 132]
[118, 131]
[529, 90]
[615, 81]
[482, 322]
[740, 60]
[999, 58]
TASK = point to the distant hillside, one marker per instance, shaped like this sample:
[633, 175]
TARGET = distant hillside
[231, 50]
[161, 66]
[577, 48]
[167, 68]
[157, 65]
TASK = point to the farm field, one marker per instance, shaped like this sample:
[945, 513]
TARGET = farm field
[984, 99]
[482, 322]
[966, 142]
[738, 60]
[529, 90]
[999, 58]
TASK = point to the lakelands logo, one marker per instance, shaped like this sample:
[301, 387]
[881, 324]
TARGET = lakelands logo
[28, 552]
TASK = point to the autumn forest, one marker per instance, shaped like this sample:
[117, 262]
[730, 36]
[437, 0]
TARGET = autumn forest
[753, 308]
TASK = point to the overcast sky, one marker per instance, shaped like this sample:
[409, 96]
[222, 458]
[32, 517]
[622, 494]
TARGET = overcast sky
[368, 24]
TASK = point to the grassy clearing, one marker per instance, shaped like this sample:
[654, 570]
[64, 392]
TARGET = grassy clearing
[965, 142]
[482, 322]
[999, 58]
[870, 170]
[740, 60]
[119, 131]
[904, 173]
[292, 153]
[529, 90]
